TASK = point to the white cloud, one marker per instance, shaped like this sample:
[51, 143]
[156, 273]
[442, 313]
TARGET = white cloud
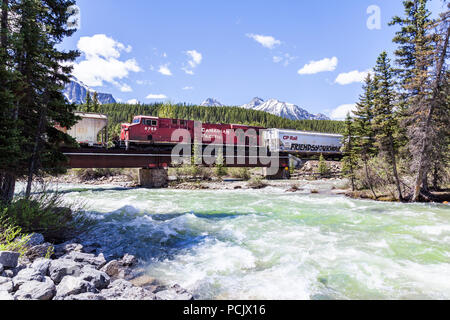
[284, 58]
[133, 101]
[266, 41]
[102, 62]
[340, 113]
[327, 64]
[351, 77]
[195, 59]
[188, 88]
[125, 88]
[164, 70]
[156, 96]
[144, 82]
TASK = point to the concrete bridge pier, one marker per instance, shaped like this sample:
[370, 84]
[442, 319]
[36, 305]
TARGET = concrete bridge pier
[154, 178]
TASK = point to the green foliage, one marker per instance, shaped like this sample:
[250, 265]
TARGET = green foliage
[47, 213]
[350, 159]
[257, 183]
[239, 173]
[11, 237]
[93, 174]
[323, 168]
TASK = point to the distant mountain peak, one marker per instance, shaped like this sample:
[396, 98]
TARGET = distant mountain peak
[76, 91]
[211, 102]
[282, 109]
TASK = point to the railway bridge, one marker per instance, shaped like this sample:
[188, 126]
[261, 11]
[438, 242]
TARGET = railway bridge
[153, 166]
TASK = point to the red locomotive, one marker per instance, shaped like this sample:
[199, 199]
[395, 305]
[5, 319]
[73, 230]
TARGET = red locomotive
[146, 131]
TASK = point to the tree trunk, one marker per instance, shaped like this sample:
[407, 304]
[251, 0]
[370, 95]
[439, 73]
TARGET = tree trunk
[4, 24]
[368, 178]
[394, 168]
[423, 156]
[7, 186]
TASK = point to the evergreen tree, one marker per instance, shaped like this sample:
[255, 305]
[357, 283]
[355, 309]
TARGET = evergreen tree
[88, 103]
[385, 119]
[350, 159]
[95, 103]
[363, 126]
[323, 168]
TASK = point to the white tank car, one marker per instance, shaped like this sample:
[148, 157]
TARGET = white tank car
[86, 130]
[291, 141]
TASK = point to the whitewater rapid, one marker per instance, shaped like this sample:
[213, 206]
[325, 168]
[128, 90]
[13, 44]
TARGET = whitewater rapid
[273, 244]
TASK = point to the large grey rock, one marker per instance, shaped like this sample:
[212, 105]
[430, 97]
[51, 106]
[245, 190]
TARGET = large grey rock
[35, 290]
[8, 274]
[174, 293]
[42, 266]
[39, 251]
[129, 260]
[9, 259]
[6, 284]
[99, 279]
[124, 290]
[67, 247]
[73, 286]
[35, 240]
[4, 296]
[58, 269]
[26, 275]
[112, 268]
[86, 258]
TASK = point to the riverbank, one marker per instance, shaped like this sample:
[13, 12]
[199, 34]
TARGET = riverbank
[73, 271]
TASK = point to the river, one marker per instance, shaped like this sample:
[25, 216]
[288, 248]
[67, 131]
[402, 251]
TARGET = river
[273, 244]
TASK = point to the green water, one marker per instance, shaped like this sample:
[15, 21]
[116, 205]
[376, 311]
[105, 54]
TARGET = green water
[270, 244]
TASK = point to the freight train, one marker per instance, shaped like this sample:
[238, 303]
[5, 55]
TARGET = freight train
[150, 133]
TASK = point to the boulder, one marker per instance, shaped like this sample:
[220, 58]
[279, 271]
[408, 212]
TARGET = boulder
[8, 274]
[41, 265]
[124, 290]
[1, 268]
[58, 269]
[9, 259]
[112, 268]
[35, 240]
[39, 251]
[67, 247]
[5, 296]
[129, 260]
[86, 258]
[6, 284]
[73, 286]
[26, 275]
[99, 279]
[174, 293]
[35, 290]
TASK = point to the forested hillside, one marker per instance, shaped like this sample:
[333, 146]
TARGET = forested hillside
[120, 113]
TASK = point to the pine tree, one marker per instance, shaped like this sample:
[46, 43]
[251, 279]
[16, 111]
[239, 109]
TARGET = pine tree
[350, 159]
[95, 103]
[385, 122]
[363, 123]
[88, 103]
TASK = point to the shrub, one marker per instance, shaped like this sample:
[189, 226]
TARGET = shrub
[256, 183]
[240, 173]
[92, 174]
[11, 238]
[47, 213]
[323, 168]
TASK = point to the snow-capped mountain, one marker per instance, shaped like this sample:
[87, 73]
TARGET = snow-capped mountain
[76, 91]
[283, 109]
[210, 102]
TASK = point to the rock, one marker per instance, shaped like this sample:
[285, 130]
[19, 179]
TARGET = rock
[58, 269]
[35, 290]
[1, 268]
[86, 296]
[67, 247]
[99, 279]
[26, 275]
[124, 290]
[8, 274]
[86, 258]
[6, 284]
[39, 251]
[112, 268]
[5, 296]
[35, 240]
[9, 259]
[42, 266]
[129, 260]
[73, 286]
[175, 293]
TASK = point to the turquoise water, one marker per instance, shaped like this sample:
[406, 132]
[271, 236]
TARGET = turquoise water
[270, 244]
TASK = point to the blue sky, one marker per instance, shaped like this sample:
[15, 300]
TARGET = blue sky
[310, 53]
